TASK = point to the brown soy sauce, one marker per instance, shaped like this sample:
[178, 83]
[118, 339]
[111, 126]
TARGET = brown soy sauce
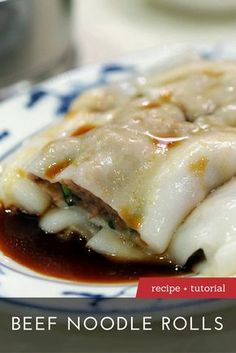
[23, 241]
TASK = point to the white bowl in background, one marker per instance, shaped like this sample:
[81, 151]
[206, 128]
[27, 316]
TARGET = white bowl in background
[208, 6]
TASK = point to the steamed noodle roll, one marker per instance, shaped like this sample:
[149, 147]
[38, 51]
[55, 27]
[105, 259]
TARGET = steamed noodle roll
[138, 171]
[211, 227]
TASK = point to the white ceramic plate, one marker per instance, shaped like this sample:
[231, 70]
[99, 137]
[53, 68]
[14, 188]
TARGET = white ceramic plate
[25, 114]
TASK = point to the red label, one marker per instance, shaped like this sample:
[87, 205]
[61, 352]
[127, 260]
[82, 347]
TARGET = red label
[186, 287]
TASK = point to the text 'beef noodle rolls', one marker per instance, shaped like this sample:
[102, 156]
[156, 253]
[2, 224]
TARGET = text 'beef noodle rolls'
[140, 172]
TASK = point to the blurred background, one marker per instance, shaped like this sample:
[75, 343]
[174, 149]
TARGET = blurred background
[39, 39]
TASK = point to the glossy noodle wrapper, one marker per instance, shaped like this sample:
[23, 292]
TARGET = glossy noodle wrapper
[140, 175]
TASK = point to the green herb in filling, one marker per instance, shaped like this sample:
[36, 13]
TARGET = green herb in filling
[67, 194]
[111, 224]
